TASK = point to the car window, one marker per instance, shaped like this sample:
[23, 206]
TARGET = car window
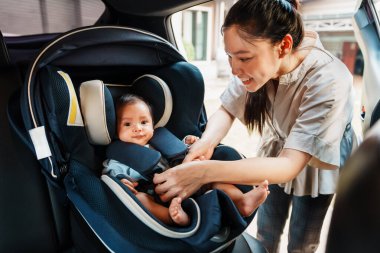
[26, 17]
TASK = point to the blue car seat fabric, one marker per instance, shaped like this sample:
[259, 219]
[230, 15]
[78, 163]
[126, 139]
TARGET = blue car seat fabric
[171, 147]
[72, 158]
[165, 145]
[375, 114]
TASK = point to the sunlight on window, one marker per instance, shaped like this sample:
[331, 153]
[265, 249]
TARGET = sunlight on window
[26, 17]
[377, 9]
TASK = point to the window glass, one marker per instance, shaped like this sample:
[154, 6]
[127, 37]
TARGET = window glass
[194, 32]
[377, 6]
[197, 32]
[376, 3]
[25, 17]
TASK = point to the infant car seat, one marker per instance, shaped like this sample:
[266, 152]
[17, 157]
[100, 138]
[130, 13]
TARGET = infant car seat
[71, 156]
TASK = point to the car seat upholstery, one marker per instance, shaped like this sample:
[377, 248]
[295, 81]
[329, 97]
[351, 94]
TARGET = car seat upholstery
[28, 213]
[70, 161]
[375, 114]
[165, 113]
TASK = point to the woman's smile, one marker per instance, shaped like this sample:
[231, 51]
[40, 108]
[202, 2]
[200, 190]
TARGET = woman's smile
[246, 81]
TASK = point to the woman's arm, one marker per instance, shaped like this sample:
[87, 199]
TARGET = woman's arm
[254, 170]
[185, 179]
[216, 129]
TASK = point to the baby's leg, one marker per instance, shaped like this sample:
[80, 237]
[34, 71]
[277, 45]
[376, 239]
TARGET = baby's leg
[170, 216]
[178, 215]
[159, 211]
[248, 202]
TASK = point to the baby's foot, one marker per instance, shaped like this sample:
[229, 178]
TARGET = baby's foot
[177, 214]
[253, 199]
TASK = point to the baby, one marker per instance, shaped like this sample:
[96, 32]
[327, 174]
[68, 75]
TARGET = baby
[135, 125]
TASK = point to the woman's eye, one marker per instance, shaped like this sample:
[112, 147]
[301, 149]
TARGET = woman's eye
[245, 59]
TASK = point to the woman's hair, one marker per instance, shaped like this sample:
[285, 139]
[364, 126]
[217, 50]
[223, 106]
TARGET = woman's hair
[130, 99]
[264, 19]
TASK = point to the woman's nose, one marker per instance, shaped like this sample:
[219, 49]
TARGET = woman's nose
[235, 67]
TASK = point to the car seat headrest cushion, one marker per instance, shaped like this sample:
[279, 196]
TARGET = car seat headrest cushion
[156, 92]
[98, 112]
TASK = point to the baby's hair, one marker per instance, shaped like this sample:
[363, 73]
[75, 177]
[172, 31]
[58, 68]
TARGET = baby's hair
[130, 99]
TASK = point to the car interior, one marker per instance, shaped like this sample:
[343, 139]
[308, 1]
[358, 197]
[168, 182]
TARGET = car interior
[42, 211]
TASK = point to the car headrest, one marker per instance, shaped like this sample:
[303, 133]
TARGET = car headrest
[98, 109]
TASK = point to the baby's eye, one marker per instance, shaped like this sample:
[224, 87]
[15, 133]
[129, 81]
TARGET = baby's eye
[144, 122]
[127, 124]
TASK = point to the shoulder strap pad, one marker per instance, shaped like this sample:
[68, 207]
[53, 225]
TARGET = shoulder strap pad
[168, 144]
[140, 158]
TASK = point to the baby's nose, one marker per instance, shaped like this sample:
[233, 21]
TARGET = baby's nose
[137, 127]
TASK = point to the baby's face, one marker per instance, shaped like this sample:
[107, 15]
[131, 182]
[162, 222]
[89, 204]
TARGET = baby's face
[135, 123]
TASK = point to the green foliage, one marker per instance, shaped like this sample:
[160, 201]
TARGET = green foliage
[189, 48]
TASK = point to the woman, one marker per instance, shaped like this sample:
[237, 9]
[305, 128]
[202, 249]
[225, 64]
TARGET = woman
[299, 97]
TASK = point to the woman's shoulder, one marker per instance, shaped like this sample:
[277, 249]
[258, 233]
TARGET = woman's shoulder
[323, 65]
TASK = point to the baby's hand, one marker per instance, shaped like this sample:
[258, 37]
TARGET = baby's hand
[130, 185]
[190, 139]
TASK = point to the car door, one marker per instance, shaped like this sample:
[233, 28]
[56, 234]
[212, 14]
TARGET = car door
[355, 220]
[366, 27]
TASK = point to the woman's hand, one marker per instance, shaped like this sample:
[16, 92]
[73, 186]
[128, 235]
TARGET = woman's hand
[180, 181]
[200, 150]
[216, 129]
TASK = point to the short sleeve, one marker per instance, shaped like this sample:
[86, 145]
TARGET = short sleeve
[324, 113]
[233, 98]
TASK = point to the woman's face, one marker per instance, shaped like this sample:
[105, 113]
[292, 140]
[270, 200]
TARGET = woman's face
[254, 62]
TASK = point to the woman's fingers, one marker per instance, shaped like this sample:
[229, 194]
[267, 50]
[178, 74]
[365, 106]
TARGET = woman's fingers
[167, 196]
[159, 178]
[200, 150]
[191, 156]
[180, 181]
[166, 189]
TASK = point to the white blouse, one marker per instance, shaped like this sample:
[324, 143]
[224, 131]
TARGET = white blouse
[311, 112]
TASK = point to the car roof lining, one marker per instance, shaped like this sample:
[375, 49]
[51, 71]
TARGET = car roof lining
[151, 7]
